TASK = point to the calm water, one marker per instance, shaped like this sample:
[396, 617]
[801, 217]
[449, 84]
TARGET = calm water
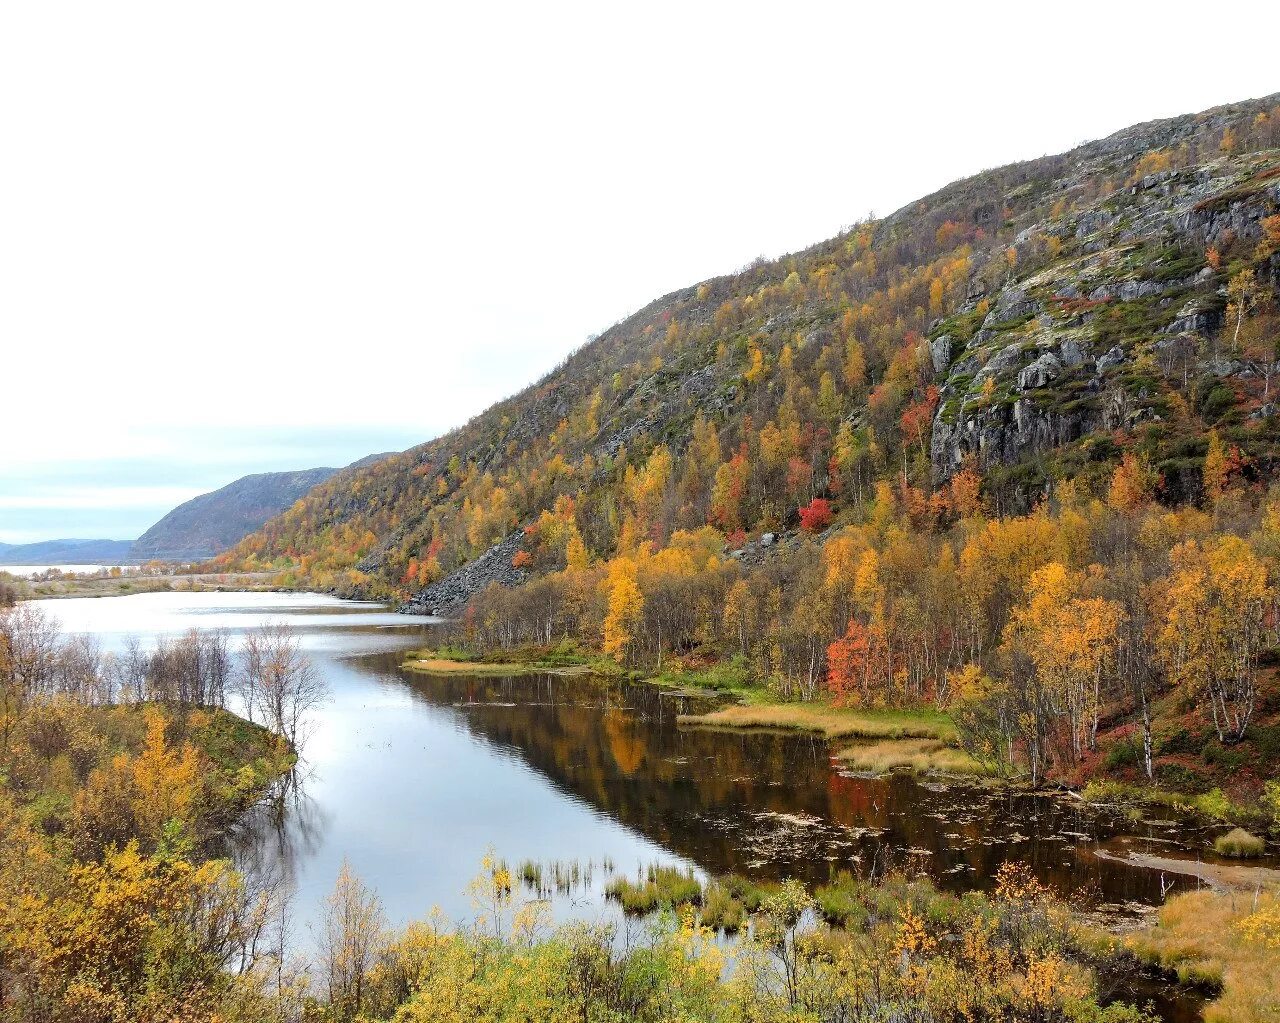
[412, 778]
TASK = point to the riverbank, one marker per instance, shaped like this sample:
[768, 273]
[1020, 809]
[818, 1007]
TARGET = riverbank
[146, 766]
[1228, 943]
[126, 585]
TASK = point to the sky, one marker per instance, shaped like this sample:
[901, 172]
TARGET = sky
[252, 236]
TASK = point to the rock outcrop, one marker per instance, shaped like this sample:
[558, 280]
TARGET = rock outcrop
[1065, 348]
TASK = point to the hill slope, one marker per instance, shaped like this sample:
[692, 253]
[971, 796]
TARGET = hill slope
[1052, 303]
[210, 523]
[66, 552]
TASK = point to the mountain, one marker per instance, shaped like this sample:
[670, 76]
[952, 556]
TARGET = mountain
[210, 523]
[66, 552]
[1028, 325]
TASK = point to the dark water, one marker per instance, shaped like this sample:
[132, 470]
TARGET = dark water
[775, 805]
[412, 778]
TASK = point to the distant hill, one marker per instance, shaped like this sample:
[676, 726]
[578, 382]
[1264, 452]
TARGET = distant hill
[67, 552]
[210, 523]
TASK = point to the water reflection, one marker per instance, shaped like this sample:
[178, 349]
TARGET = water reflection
[775, 805]
[412, 778]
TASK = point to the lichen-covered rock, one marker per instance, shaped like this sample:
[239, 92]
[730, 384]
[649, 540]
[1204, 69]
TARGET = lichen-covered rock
[1110, 359]
[1039, 373]
[940, 351]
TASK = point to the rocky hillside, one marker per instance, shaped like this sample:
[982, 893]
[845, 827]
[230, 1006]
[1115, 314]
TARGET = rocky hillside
[1121, 333]
[210, 523]
[1031, 323]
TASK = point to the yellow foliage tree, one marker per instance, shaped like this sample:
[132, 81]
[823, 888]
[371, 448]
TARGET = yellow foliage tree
[625, 606]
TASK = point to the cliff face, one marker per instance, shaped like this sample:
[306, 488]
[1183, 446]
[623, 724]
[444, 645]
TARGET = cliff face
[210, 523]
[1079, 346]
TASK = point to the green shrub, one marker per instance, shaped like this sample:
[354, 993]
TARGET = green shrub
[1267, 741]
[1239, 844]
[1180, 778]
[1271, 803]
[1099, 790]
[1126, 753]
[1221, 756]
[1214, 803]
[1180, 741]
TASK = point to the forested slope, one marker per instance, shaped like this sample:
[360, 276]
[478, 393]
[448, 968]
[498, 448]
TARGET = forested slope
[1007, 451]
[813, 375]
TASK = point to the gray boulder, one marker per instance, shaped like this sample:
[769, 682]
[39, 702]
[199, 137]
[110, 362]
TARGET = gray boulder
[1110, 359]
[1070, 352]
[1042, 371]
[940, 349]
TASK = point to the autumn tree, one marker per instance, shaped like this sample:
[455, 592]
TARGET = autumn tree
[729, 493]
[848, 664]
[816, 515]
[1243, 295]
[278, 681]
[966, 491]
[351, 929]
[625, 606]
[1069, 640]
[1133, 484]
[1211, 627]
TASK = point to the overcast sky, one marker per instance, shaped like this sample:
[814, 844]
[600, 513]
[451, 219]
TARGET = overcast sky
[243, 236]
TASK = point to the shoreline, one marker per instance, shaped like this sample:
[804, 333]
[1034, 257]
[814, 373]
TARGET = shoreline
[128, 586]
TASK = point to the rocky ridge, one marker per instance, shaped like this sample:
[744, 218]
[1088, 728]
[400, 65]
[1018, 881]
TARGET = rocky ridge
[1072, 347]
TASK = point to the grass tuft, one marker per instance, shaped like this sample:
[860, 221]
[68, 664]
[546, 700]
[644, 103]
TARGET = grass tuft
[661, 886]
[1239, 844]
[919, 756]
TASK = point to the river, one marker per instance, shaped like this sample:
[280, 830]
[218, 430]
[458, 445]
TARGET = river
[413, 778]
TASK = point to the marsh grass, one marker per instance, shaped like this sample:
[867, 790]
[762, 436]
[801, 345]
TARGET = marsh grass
[1213, 804]
[1239, 844]
[830, 721]
[919, 756]
[561, 877]
[720, 910]
[660, 886]
[563, 658]
[1220, 940]
[857, 904]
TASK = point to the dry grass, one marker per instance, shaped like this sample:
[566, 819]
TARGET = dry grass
[445, 666]
[1239, 844]
[1211, 938]
[920, 756]
[829, 721]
